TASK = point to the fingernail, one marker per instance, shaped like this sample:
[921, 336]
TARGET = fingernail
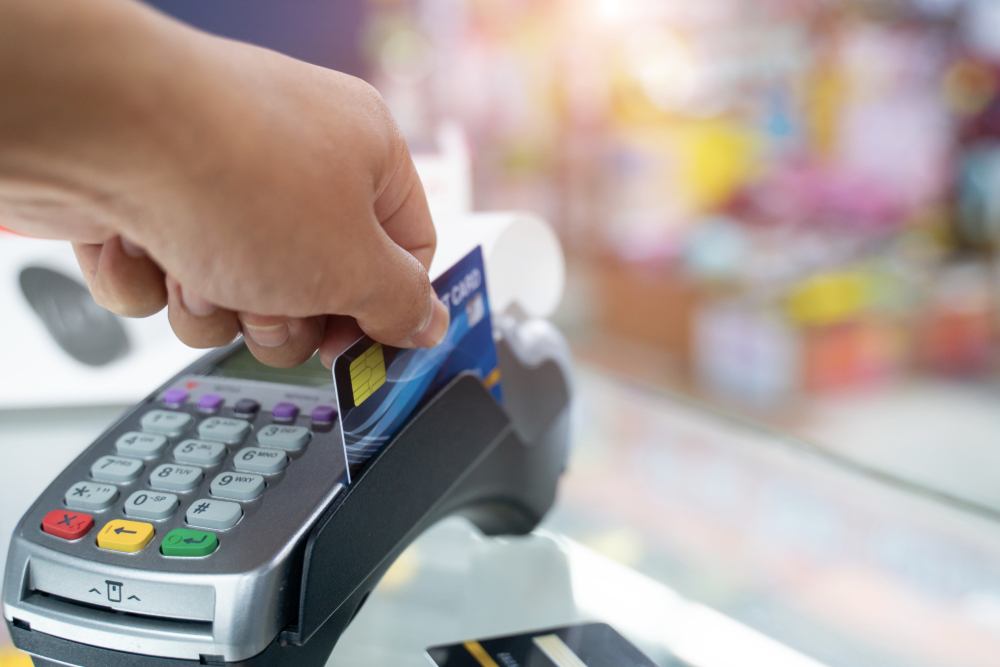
[436, 327]
[269, 336]
[196, 305]
[131, 249]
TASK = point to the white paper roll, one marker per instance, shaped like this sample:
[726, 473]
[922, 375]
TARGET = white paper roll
[523, 257]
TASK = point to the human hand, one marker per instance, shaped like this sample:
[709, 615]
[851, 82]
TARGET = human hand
[245, 190]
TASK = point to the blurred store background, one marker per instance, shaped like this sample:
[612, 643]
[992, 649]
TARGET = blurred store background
[786, 212]
[789, 208]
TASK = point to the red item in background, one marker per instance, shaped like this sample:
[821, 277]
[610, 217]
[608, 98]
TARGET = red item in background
[67, 524]
[958, 342]
[851, 355]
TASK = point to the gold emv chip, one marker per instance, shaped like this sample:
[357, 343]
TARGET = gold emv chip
[367, 373]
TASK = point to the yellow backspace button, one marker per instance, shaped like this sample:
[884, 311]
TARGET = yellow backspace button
[127, 536]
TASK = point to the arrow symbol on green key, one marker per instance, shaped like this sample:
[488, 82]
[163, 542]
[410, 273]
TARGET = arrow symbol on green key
[184, 542]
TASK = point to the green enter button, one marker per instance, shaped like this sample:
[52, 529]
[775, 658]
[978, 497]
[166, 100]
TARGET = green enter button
[189, 543]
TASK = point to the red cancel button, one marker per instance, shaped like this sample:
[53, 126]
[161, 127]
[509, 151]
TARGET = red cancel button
[67, 525]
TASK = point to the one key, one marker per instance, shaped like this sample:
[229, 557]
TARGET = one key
[116, 469]
[91, 496]
[237, 486]
[151, 505]
[187, 543]
[165, 422]
[224, 429]
[258, 459]
[289, 438]
[67, 525]
[143, 445]
[200, 452]
[175, 477]
[217, 514]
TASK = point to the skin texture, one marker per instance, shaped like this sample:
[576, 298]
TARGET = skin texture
[244, 190]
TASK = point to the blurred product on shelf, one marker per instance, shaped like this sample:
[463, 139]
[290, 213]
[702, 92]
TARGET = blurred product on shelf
[779, 194]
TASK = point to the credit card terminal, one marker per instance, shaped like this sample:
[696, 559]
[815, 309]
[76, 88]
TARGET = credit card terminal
[214, 523]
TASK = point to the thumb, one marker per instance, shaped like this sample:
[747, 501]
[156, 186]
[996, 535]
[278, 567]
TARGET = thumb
[400, 308]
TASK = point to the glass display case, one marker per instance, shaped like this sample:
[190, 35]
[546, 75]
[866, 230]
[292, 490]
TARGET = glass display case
[706, 540]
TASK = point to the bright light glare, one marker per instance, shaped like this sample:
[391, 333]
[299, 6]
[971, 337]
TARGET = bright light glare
[665, 67]
[610, 10]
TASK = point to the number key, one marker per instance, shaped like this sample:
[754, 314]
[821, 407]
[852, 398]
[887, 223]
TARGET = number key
[200, 452]
[143, 445]
[289, 438]
[223, 429]
[175, 477]
[116, 469]
[258, 459]
[165, 422]
[151, 505]
[237, 486]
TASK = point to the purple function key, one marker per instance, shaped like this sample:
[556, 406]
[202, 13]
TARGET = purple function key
[175, 396]
[246, 407]
[323, 414]
[285, 411]
[209, 402]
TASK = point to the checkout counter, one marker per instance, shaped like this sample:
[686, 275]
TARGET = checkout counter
[705, 540]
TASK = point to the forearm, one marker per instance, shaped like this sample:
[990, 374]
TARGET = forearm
[90, 96]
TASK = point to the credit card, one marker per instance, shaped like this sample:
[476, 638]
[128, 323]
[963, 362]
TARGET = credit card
[380, 387]
[584, 645]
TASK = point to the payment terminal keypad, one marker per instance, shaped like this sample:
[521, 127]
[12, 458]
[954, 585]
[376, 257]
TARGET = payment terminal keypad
[187, 466]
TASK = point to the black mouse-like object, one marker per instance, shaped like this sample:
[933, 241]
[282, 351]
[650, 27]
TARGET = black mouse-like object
[84, 330]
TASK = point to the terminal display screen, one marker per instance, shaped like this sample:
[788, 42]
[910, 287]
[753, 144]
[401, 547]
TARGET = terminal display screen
[243, 365]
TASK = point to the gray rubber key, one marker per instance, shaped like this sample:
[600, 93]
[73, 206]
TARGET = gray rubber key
[91, 496]
[165, 422]
[237, 486]
[151, 505]
[143, 445]
[217, 514]
[200, 452]
[258, 459]
[289, 438]
[224, 429]
[174, 477]
[116, 469]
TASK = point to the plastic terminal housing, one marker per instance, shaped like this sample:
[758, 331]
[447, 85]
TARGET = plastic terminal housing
[462, 454]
